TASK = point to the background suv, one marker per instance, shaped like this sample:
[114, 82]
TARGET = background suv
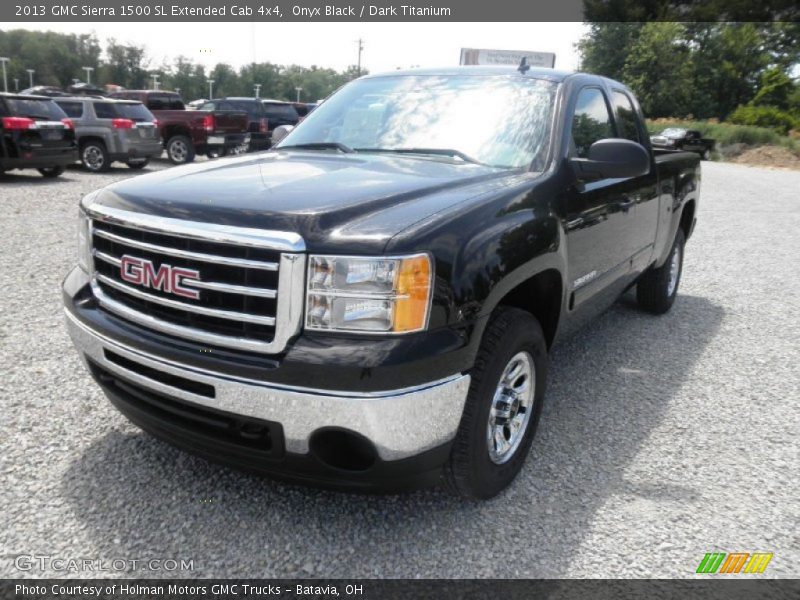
[113, 130]
[35, 134]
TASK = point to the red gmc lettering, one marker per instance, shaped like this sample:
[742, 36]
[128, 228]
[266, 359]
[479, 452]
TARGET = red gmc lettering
[167, 278]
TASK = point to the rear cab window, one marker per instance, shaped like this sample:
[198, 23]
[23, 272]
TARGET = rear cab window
[281, 111]
[157, 102]
[165, 102]
[254, 109]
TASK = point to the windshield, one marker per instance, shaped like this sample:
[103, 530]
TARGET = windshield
[134, 111]
[673, 132]
[501, 121]
[46, 110]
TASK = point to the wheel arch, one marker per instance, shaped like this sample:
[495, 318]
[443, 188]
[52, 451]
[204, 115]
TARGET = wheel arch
[542, 296]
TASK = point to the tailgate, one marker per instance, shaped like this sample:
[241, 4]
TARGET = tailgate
[228, 121]
[47, 134]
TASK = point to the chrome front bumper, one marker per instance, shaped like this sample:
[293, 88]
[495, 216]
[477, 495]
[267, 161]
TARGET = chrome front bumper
[400, 423]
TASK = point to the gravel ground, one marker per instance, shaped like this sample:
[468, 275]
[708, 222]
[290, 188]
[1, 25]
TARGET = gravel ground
[662, 439]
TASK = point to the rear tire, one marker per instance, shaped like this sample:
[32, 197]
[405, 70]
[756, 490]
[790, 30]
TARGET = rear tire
[180, 150]
[657, 289]
[136, 165]
[94, 157]
[51, 172]
[479, 467]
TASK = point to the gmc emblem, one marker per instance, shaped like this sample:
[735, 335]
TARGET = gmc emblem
[167, 278]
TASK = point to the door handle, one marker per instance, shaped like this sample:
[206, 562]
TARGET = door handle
[575, 223]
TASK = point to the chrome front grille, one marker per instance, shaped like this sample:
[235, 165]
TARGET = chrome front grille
[243, 289]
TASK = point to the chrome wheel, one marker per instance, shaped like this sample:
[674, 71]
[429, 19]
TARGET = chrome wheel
[674, 270]
[178, 151]
[93, 158]
[512, 407]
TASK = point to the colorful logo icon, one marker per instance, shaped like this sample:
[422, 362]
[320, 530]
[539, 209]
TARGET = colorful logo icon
[735, 562]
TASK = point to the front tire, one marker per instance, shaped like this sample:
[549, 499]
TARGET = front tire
[503, 406]
[180, 150]
[51, 172]
[657, 289]
[94, 157]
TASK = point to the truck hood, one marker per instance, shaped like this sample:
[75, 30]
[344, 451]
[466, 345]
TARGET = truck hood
[355, 202]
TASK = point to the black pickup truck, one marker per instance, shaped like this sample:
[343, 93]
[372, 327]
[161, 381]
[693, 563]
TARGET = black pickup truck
[371, 304]
[688, 140]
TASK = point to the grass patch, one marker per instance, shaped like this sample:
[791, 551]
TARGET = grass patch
[727, 134]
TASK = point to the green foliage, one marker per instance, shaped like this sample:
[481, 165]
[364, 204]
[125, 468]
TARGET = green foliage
[764, 116]
[775, 89]
[704, 69]
[658, 68]
[58, 59]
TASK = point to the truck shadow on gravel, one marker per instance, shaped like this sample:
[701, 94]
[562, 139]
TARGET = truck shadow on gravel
[611, 386]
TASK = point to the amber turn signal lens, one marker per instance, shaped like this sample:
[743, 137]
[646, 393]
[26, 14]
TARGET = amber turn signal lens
[413, 291]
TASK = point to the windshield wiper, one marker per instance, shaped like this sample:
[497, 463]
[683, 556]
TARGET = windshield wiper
[433, 151]
[319, 146]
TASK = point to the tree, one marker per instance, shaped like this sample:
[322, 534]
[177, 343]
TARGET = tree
[706, 69]
[606, 47]
[658, 69]
[125, 65]
[775, 89]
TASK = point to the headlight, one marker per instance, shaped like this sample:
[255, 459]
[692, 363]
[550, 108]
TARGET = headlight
[379, 295]
[84, 241]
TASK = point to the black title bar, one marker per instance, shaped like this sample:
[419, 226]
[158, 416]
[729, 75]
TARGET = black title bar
[392, 10]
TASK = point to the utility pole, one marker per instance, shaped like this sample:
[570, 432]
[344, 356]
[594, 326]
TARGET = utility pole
[360, 48]
[4, 60]
[257, 89]
[30, 76]
[16, 84]
[88, 74]
[299, 89]
[155, 81]
[210, 89]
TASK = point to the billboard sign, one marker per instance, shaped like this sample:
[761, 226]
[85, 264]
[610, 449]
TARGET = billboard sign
[476, 56]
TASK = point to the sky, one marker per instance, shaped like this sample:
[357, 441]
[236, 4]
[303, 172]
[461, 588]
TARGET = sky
[387, 46]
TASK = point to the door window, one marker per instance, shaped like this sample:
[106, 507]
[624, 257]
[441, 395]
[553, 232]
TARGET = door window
[627, 119]
[591, 121]
[74, 110]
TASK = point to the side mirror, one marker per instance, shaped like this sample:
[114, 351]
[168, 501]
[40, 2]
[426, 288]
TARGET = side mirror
[612, 158]
[281, 132]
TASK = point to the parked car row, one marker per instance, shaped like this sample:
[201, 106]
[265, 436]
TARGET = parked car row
[50, 131]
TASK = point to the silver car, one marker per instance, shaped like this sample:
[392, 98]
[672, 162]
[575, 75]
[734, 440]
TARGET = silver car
[110, 130]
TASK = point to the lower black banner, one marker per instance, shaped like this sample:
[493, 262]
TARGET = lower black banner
[369, 589]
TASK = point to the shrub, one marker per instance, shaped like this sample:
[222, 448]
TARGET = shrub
[764, 116]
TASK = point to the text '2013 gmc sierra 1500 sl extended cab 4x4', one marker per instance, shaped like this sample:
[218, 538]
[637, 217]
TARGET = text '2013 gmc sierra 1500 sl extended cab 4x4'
[370, 304]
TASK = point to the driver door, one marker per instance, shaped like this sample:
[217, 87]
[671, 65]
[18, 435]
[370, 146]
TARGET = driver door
[599, 217]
